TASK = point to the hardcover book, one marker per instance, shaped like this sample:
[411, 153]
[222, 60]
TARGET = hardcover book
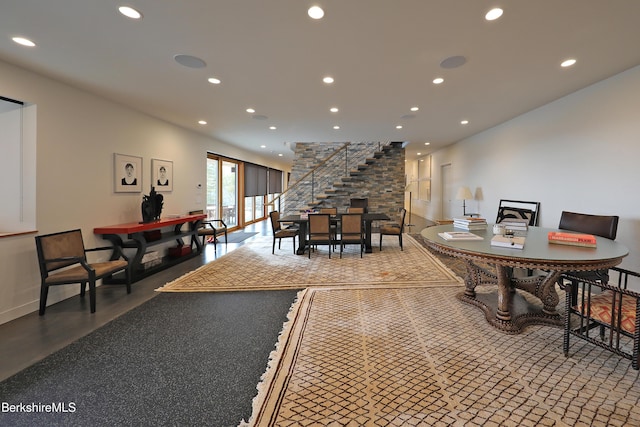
[459, 235]
[573, 239]
[512, 242]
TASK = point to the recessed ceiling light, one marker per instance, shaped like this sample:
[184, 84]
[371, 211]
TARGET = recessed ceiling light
[464, 122]
[438, 80]
[202, 122]
[189, 61]
[250, 110]
[328, 80]
[399, 127]
[24, 42]
[315, 12]
[334, 109]
[214, 80]
[493, 14]
[130, 12]
[418, 154]
[263, 146]
[568, 62]
[273, 127]
[414, 108]
[336, 127]
[280, 154]
[427, 143]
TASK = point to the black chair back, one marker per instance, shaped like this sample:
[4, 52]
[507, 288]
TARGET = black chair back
[599, 225]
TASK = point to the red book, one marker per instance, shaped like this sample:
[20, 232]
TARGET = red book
[575, 239]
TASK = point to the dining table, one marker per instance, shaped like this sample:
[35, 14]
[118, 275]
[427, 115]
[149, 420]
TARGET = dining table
[487, 266]
[302, 220]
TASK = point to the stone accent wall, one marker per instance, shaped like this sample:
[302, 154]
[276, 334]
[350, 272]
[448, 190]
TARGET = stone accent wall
[367, 169]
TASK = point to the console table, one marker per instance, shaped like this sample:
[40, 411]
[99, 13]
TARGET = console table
[141, 236]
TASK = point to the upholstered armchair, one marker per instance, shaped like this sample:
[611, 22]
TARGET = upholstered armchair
[62, 259]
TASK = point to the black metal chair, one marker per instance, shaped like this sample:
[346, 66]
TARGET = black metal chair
[518, 209]
[394, 228]
[63, 261]
[280, 233]
[598, 225]
[613, 309]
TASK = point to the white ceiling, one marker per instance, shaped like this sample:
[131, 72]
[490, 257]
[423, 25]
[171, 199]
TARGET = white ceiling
[271, 56]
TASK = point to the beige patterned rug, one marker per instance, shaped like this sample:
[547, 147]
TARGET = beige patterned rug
[253, 267]
[399, 356]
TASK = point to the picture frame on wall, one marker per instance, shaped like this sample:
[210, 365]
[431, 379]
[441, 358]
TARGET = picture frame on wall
[162, 175]
[127, 173]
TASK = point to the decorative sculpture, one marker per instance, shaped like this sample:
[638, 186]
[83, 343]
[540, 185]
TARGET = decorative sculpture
[152, 206]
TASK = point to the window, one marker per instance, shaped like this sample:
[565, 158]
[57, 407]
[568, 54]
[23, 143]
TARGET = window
[17, 166]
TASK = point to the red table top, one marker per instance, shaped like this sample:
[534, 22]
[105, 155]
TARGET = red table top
[136, 227]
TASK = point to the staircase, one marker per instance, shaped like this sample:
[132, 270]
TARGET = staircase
[331, 174]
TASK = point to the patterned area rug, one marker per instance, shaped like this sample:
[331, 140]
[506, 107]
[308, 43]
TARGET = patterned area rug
[419, 357]
[253, 267]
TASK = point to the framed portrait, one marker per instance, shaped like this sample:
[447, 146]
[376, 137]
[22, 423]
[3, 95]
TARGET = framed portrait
[127, 173]
[162, 175]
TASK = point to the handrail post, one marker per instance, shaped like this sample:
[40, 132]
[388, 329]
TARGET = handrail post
[346, 161]
[313, 184]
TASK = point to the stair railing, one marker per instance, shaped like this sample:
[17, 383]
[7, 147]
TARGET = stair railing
[302, 194]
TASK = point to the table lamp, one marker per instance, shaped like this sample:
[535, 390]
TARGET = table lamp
[464, 194]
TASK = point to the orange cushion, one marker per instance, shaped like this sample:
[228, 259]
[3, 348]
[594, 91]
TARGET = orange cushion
[601, 310]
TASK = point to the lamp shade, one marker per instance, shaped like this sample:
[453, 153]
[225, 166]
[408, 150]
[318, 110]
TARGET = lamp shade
[464, 193]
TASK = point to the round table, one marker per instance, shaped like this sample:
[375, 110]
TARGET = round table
[505, 309]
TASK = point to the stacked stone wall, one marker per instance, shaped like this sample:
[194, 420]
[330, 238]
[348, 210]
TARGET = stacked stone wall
[379, 176]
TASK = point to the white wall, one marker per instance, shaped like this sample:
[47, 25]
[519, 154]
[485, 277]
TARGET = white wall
[579, 153]
[77, 136]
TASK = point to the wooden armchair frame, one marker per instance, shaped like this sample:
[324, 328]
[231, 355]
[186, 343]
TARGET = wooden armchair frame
[63, 261]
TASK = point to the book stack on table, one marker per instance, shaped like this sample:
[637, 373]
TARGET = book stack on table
[468, 223]
[572, 239]
[515, 224]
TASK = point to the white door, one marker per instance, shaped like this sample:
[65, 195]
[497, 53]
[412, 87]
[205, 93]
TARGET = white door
[446, 191]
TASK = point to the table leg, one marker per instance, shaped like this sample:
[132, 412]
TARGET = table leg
[504, 293]
[506, 309]
[368, 247]
[302, 238]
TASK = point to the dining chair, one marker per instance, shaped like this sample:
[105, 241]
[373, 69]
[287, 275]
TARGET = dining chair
[351, 231]
[394, 228]
[355, 210]
[359, 202]
[319, 231]
[210, 229]
[611, 308]
[280, 233]
[598, 225]
[334, 226]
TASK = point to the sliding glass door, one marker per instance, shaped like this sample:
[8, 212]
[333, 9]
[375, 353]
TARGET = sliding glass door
[237, 191]
[222, 190]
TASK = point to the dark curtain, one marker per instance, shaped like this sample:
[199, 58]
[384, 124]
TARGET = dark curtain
[275, 181]
[255, 180]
